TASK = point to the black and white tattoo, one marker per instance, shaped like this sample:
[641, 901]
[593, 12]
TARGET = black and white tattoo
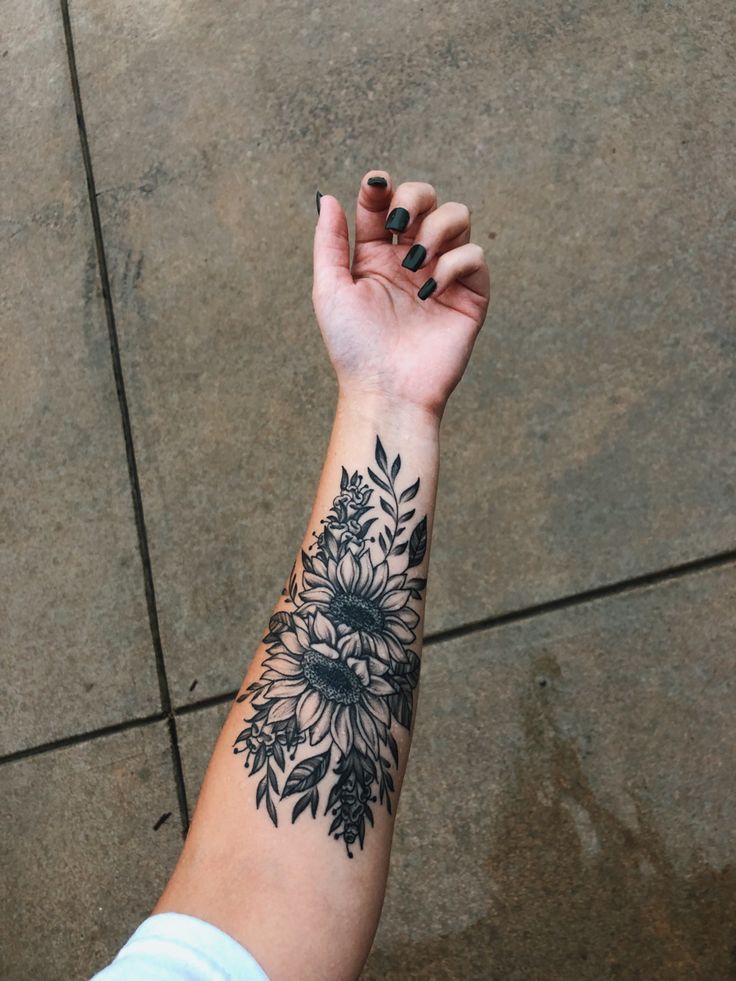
[340, 669]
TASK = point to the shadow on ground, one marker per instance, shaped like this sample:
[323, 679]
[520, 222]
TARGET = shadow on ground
[577, 895]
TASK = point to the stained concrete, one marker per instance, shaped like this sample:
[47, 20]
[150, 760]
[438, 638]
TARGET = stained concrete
[198, 730]
[567, 817]
[76, 650]
[566, 808]
[82, 862]
[568, 812]
[589, 439]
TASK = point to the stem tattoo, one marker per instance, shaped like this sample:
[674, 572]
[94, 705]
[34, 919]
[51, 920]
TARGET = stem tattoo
[340, 669]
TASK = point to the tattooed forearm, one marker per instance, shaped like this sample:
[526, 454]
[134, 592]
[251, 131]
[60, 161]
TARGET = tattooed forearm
[340, 669]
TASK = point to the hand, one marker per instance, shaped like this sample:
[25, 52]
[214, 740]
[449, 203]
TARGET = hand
[382, 339]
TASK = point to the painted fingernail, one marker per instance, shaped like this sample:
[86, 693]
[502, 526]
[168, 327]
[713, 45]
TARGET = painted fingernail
[414, 257]
[378, 182]
[397, 220]
[319, 195]
[429, 287]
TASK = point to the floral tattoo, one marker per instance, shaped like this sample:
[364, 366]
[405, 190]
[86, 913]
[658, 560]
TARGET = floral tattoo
[340, 669]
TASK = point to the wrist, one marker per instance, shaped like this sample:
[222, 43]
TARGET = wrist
[389, 415]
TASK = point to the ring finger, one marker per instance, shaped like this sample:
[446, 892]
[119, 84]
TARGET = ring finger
[443, 229]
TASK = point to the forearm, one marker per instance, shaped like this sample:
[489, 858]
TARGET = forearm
[288, 850]
[288, 856]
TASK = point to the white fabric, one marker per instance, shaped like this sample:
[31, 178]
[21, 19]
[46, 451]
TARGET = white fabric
[176, 947]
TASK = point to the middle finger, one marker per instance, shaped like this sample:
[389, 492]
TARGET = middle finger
[409, 204]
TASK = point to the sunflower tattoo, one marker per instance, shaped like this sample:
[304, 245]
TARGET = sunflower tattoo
[340, 669]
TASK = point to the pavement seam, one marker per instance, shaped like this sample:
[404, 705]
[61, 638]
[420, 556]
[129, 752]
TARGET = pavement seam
[208, 702]
[169, 712]
[83, 737]
[633, 584]
[164, 691]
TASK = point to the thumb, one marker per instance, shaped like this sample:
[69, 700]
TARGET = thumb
[331, 247]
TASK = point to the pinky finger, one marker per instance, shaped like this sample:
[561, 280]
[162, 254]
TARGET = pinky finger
[465, 265]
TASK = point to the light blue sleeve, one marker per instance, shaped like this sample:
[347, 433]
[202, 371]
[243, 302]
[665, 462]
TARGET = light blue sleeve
[176, 947]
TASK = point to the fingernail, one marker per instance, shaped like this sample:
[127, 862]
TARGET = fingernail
[319, 195]
[378, 182]
[414, 257]
[397, 220]
[429, 287]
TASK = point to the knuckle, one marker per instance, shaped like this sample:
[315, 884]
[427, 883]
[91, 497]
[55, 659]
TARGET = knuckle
[463, 211]
[420, 189]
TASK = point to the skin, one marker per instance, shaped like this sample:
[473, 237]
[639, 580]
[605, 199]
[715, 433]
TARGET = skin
[381, 339]
[289, 894]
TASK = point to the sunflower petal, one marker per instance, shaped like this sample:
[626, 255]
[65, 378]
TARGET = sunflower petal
[347, 572]
[318, 581]
[319, 594]
[342, 729]
[284, 664]
[380, 576]
[308, 709]
[350, 645]
[367, 727]
[379, 686]
[380, 646]
[291, 642]
[408, 616]
[320, 568]
[399, 630]
[376, 666]
[287, 688]
[282, 710]
[395, 648]
[378, 707]
[323, 629]
[326, 650]
[360, 667]
[398, 653]
[395, 600]
[322, 726]
[302, 632]
[360, 744]
[365, 573]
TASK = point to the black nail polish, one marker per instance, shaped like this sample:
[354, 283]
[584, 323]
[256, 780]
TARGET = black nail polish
[397, 220]
[378, 182]
[414, 257]
[429, 287]
[319, 195]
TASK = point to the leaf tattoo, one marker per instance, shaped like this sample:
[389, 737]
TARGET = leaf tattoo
[340, 670]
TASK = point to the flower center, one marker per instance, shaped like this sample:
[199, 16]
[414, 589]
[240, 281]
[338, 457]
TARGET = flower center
[332, 679]
[356, 611]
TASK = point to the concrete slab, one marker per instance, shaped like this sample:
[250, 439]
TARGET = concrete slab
[567, 804]
[82, 861]
[588, 441]
[76, 652]
[198, 730]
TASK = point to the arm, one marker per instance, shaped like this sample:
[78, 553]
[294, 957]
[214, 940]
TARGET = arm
[289, 844]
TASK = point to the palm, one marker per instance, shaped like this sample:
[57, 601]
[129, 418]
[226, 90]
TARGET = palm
[383, 338]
